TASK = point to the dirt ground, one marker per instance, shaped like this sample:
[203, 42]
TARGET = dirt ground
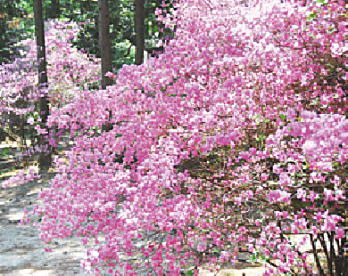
[21, 251]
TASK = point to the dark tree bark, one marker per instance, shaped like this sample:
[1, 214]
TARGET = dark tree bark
[139, 20]
[105, 42]
[45, 158]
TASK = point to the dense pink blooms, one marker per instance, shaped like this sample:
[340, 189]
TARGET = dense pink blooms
[21, 177]
[278, 196]
[68, 70]
[241, 122]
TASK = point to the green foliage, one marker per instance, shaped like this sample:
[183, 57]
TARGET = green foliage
[311, 16]
[85, 12]
[124, 53]
[283, 117]
[121, 27]
[322, 2]
[13, 22]
[4, 153]
[190, 273]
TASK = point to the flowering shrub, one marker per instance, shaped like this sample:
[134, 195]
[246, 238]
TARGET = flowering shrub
[68, 69]
[233, 140]
[20, 178]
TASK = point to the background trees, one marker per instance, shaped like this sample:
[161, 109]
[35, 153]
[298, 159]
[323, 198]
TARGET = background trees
[53, 11]
[10, 28]
[122, 25]
[117, 38]
[45, 157]
[139, 22]
[104, 42]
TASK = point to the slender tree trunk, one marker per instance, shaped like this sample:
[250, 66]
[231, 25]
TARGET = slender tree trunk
[45, 157]
[104, 42]
[139, 20]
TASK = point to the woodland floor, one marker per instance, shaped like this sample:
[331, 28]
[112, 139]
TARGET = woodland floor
[21, 251]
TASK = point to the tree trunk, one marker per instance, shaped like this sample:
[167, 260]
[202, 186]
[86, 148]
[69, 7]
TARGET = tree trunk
[139, 20]
[45, 157]
[104, 42]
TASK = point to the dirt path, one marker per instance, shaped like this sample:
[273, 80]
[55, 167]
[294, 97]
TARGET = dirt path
[21, 251]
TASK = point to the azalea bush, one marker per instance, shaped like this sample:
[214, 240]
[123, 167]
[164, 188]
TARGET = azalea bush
[68, 70]
[232, 141]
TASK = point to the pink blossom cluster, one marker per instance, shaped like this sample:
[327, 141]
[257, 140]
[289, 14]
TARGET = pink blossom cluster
[231, 141]
[323, 138]
[21, 177]
[32, 151]
[68, 69]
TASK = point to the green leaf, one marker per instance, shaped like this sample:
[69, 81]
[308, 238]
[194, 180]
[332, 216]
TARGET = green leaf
[5, 152]
[253, 258]
[322, 2]
[260, 138]
[189, 273]
[283, 117]
[311, 16]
